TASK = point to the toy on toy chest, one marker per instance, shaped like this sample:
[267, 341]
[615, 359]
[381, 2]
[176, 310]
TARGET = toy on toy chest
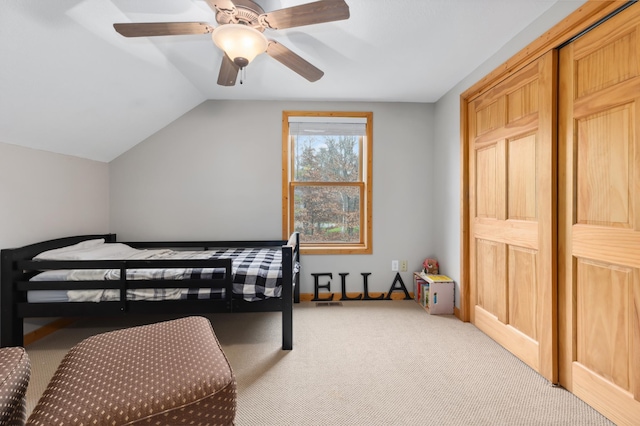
[430, 266]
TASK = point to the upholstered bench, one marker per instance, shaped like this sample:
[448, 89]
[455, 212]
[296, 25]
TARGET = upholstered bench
[15, 372]
[168, 373]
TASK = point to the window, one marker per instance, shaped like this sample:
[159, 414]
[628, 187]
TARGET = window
[326, 180]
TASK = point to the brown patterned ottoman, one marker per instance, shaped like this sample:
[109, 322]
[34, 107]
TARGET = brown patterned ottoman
[15, 371]
[168, 373]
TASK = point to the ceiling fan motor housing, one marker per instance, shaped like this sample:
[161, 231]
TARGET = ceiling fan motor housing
[241, 62]
[247, 14]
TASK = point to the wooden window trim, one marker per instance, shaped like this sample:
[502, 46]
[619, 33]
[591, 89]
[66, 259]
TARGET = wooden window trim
[366, 180]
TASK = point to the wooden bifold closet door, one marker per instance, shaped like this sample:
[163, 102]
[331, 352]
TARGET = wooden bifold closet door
[551, 222]
[599, 206]
[512, 211]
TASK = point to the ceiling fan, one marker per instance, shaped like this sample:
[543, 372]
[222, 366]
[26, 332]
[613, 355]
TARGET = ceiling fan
[240, 33]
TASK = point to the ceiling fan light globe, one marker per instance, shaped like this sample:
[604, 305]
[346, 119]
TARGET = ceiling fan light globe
[240, 42]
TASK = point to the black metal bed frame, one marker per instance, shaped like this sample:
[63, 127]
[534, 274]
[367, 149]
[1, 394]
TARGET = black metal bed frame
[16, 267]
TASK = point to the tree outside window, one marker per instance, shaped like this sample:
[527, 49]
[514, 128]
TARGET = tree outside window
[327, 180]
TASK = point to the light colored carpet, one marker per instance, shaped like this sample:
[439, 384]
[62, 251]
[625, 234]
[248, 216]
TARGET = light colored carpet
[362, 363]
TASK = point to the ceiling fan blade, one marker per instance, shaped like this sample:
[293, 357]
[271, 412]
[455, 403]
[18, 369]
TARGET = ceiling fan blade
[228, 72]
[291, 60]
[224, 6]
[305, 14]
[148, 29]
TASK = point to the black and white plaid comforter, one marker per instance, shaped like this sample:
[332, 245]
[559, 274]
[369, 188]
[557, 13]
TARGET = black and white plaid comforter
[257, 273]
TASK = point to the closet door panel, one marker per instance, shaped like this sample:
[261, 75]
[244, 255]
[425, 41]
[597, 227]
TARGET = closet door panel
[603, 333]
[600, 217]
[603, 176]
[487, 159]
[521, 190]
[523, 290]
[512, 210]
[492, 282]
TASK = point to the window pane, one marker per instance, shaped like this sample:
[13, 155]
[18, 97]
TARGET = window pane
[327, 181]
[327, 213]
[327, 158]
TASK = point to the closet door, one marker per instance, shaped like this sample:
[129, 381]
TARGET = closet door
[512, 212]
[599, 208]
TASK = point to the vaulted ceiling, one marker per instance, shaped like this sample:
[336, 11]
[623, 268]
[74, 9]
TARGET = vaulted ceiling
[70, 84]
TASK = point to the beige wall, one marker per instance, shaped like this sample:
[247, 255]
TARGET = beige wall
[215, 173]
[46, 195]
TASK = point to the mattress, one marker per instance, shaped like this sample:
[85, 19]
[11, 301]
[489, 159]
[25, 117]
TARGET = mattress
[257, 274]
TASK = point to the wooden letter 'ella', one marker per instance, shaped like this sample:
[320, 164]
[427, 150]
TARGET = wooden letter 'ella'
[398, 279]
[317, 286]
[344, 288]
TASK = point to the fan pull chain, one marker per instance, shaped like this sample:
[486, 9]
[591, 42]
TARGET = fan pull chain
[242, 74]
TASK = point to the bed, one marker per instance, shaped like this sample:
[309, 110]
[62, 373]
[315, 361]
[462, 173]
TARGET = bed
[95, 275]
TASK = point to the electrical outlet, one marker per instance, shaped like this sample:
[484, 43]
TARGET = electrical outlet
[403, 266]
[394, 265]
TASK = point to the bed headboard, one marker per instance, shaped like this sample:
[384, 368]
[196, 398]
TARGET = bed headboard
[9, 274]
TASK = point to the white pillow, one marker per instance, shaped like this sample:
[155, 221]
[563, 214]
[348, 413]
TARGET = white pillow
[53, 254]
[110, 251]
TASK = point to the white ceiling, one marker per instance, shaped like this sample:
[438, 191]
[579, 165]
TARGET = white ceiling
[70, 84]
